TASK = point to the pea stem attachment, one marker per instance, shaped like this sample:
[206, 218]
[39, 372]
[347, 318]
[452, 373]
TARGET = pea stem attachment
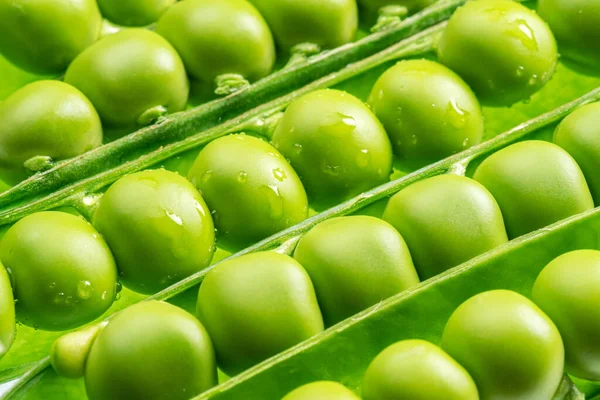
[39, 163]
[389, 17]
[151, 115]
[567, 390]
[181, 126]
[230, 83]
[301, 52]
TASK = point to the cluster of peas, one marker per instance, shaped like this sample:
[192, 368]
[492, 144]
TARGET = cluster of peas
[497, 344]
[153, 228]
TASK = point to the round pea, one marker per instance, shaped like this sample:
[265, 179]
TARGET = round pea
[151, 350]
[336, 144]
[502, 49]
[158, 227]
[355, 262]
[131, 77]
[63, 273]
[328, 23]
[417, 370]
[256, 306]
[411, 5]
[252, 191]
[321, 390]
[134, 12]
[7, 313]
[428, 111]
[579, 135]
[219, 37]
[575, 24]
[509, 346]
[44, 36]
[446, 220]
[536, 184]
[567, 290]
[45, 118]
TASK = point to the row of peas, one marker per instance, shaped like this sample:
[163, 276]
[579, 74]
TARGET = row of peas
[258, 305]
[497, 344]
[132, 77]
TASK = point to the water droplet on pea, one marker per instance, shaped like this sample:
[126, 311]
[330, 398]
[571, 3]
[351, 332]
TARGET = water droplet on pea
[465, 142]
[520, 71]
[457, 116]
[69, 300]
[52, 285]
[414, 140]
[363, 158]
[279, 174]
[333, 170]
[533, 80]
[521, 30]
[84, 289]
[118, 297]
[118, 287]
[59, 298]
[242, 177]
[297, 148]
[274, 200]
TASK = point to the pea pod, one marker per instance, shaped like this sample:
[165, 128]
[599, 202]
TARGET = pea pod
[421, 312]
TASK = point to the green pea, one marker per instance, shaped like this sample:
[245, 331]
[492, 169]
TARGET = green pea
[536, 184]
[151, 350]
[134, 12]
[158, 227]
[219, 37]
[255, 306]
[502, 49]
[45, 118]
[508, 345]
[63, 273]
[579, 135]
[567, 290]
[44, 36]
[355, 262]
[328, 23]
[7, 312]
[321, 390]
[428, 111]
[411, 5]
[132, 77]
[336, 144]
[252, 191]
[575, 24]
[417, 370]
[446, 220]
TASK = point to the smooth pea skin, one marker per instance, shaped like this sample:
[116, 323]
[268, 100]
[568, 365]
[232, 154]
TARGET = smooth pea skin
[158, 227]
[45, 118]
[567, 290]
[256, 306]
[321, 390]
[579, 135]
[151, 350]
[536, 184]
[328, 23]
[134, 12]
[502, 49]
[355, 262]
[417, 370]
[132, 77]
[250, 188]
[509, 346]
[7, 312]
[428, 111]
[63, 273]
[411, 5]
[575, 24]
[44, 36]
[219, 37]
[446, 220]
[336, 144]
